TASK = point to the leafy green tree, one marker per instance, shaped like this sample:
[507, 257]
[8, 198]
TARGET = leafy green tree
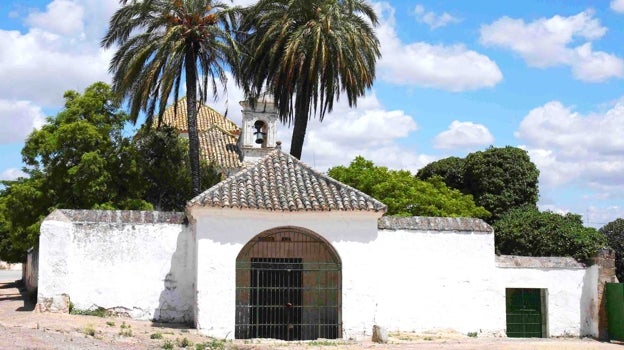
[501, 179]
[165, 175]
[160, 43]
[81, 160]
[614, 232]
[450, 169]
[529, 232]
[306, 53]
[76, 154]
[22, 207]
[404, 194]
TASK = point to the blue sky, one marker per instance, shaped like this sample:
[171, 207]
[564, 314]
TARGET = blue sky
[455, 77]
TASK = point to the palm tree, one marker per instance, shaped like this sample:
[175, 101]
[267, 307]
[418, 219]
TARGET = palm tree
[306, 52]
[162, 42]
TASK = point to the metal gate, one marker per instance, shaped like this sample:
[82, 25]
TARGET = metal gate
[288, 286]
[526, 312]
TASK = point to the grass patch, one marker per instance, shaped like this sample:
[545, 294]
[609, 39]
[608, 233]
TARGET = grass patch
[323, 342]
[89, 330]
[168, 345]
[110, 323]
[214, 344]
[184, 342]
[126, 329]
[472, 334]
[99, 312]
[156, 335]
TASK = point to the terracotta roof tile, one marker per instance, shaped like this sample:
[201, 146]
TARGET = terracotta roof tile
[206, 118]
[218, 147]
[281, 182]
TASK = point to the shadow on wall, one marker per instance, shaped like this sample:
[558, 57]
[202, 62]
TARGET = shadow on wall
[176, 299]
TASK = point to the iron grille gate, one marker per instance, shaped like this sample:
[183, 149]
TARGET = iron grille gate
[288, 286]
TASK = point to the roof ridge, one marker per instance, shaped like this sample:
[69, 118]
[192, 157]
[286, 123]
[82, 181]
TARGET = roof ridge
[280, 181]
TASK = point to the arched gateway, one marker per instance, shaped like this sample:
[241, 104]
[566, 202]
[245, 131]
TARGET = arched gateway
[288, 286]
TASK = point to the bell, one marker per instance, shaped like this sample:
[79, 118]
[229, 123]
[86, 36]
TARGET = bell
[258, 125]
[259, 137]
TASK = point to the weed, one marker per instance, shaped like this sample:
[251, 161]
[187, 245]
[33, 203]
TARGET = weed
[156, 335]
[428, 338]
[183, 343]
[99, 312]
[214, 344]
[110, 323]
[168, 345]
[472, 334]
[89, 330]
[126, 329]
[322, 343]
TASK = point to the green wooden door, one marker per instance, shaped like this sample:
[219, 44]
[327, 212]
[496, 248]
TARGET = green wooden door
[614, 293]
[525, 313]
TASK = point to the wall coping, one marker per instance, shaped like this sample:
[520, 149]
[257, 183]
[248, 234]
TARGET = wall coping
[117, 217]
[423, 223]
[546, 262]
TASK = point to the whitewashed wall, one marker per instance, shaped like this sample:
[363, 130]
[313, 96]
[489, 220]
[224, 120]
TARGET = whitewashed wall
[420, 280]
[222, 233]
[571, 290]
[411, 274]
[139, 263]
[407, 274]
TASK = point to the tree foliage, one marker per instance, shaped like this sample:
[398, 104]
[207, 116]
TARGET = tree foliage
[81, 160]
[450, 169]
[306, 54]
[529, 232]
[162, 41]
[404, 194]
[614, 232]
[499, 179]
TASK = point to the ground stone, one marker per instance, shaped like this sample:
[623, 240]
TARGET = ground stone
[380, 335]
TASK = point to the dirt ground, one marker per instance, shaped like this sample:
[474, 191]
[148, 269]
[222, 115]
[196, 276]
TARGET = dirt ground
[21, 328]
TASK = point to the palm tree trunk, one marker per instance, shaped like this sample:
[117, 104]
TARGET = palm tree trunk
[298, 134]
[190, 69]
[302, 110]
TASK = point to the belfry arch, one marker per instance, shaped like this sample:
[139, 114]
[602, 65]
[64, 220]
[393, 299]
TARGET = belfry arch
[288, 286]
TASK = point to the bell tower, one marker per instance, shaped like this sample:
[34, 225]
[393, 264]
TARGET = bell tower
[259, 129]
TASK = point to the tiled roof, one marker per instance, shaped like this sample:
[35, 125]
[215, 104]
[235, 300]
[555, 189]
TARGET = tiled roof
[206, 118]
[219, 147]
[281, 182]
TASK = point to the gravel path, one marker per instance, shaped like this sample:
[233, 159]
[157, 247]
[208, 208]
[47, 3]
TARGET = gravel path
[21, 328]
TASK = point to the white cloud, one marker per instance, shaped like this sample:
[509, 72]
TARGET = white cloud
[447, 67]
[600, 216]
[369, 131]
[12, 174]
[465, 135]
[617, 6]
[63, 17]
[431, 19]
[548, 42]
[59, 51]
[18, 119]
[571, 148]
